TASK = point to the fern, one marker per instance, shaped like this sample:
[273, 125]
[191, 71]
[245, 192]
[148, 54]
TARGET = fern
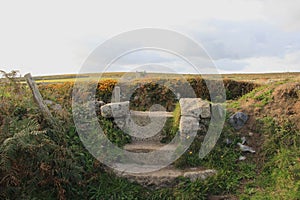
[30, 158]
[19, 140]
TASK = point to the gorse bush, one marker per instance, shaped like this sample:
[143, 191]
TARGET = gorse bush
[42, 162]
[146, 92]
[149, 94]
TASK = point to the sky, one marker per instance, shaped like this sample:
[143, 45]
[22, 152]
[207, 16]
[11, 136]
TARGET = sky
[240, 36]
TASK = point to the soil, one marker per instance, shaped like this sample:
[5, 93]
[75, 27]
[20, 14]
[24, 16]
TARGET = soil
[284, 104]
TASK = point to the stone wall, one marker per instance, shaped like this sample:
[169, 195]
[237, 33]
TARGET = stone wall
[194, 111]
[150, 153]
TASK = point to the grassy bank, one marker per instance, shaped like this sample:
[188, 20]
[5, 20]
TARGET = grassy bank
[42, 162]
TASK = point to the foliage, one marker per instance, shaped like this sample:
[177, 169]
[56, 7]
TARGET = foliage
[264, 98]
[171, 127]
[224, 158]
[113, 133]
[146, 92]
[107, 186]
[37, 162]
[279, 177]
[31, 158]
[31, 155]
[104, 90]
[151, 93]
[277, 136]
[253, 93]
[59, 93]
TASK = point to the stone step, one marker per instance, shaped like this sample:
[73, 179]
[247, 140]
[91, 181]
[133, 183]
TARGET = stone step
[145, 153]
[151, 114]
[156, 138]
[145, 147]
[165, 177]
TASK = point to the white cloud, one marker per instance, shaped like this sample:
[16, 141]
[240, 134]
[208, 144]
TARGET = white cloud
[57, 36]
[287, 63]
[283, 13]
[239, 40]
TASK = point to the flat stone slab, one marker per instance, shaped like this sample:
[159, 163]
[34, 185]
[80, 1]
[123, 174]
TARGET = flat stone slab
[151, 114]
[188, 125]
[115, 110]
[195, 107]
[165, 177]
[194, 175]
[147, 147]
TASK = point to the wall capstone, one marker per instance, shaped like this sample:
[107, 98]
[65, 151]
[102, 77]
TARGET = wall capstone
[115, 110]
[194, 107]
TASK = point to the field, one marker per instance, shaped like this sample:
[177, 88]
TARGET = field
[260, 78]
[40, 160]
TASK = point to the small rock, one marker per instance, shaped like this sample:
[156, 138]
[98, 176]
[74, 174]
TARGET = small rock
[56, 107]
[99, 103]
[238, 120]
[243, 140]
[245, 148]
[48, 102]
[228, 141]
[241, 158]
[251, 134]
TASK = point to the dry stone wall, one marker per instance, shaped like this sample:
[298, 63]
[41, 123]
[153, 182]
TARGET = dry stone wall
[194, 111]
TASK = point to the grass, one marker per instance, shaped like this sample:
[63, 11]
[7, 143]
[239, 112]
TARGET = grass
[43, 163]
[234, 104]
[92, 179]
[253, 93]
[113, 133]
[279, 177]
[264, 98]
[172, 125]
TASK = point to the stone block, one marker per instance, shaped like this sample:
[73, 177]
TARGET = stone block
[188, 125]
[115, 110]
[195, 107]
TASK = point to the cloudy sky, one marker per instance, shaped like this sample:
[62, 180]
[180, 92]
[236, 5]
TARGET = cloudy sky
[241, 36]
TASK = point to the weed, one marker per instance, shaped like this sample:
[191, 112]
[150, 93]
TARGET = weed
[279, 178]
[264, 98]
[234, 104]
[172, 125]
[252, 93]
[113, 133]
[108, 186]
[41, 163]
